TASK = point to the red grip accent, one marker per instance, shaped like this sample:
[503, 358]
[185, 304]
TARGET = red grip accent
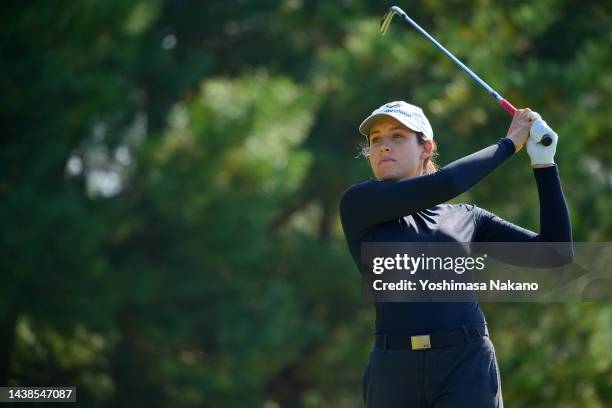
[508, 107]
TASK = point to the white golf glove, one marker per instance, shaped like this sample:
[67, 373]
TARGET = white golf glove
[538, 153]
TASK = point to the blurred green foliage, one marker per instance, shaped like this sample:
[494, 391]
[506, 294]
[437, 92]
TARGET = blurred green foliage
[171, 173]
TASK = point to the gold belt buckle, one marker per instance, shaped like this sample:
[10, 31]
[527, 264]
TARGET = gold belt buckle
[420, 342]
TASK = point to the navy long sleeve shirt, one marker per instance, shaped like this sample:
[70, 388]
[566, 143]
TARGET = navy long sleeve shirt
[413, 210]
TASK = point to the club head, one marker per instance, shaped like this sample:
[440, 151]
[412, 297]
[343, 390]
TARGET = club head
[386, 20]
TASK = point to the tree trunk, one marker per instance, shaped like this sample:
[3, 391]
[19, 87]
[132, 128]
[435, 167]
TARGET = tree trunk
[7, 334]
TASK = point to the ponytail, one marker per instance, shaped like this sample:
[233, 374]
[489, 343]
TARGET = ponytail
[429, 165]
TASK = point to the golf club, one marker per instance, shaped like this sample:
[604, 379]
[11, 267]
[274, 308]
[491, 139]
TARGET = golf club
[508, 107]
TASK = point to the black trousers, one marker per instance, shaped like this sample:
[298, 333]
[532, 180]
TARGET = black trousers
[463, 375]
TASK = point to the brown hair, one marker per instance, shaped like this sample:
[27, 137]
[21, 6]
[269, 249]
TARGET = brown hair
[429, 165]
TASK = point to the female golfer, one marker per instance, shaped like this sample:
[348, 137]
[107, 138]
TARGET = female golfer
[452, 362]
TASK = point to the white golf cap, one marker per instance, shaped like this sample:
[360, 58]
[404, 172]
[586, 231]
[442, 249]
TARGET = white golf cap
[409, 115]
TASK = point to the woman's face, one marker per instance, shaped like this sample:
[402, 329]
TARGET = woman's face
[395, 153]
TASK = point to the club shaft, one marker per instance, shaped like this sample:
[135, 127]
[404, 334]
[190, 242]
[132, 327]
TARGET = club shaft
[507, 106]
[460, 64]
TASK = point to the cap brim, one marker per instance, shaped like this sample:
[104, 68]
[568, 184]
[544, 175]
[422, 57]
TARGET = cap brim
[366, 125]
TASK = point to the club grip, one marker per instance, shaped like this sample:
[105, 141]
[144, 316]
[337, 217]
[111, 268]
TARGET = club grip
[508, 107]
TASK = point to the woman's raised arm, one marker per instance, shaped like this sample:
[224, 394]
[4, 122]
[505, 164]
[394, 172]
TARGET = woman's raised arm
[372, 202]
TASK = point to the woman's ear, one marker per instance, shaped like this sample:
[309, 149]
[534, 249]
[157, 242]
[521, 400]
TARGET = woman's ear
[427, 148]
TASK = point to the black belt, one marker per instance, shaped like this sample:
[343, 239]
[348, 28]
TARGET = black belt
[429, 341]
